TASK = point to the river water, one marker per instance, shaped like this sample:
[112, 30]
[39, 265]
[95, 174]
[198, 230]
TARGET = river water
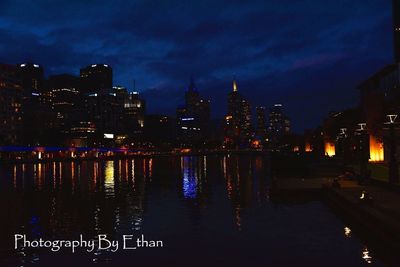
[205, 210]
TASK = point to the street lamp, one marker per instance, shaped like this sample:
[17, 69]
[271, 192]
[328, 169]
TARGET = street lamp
[393, 168]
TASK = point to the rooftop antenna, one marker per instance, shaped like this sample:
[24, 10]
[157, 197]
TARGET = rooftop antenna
[235, 88]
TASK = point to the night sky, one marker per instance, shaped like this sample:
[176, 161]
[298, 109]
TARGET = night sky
[309, 55]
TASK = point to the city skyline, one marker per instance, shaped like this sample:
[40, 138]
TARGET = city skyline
[290, 63]
[234, 133]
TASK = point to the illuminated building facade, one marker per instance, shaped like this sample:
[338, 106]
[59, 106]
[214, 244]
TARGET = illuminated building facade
[193, 118]
[380, 96]
[345, 135]
[238, 124]
[133, 113]
[10, 108]
[96, 78]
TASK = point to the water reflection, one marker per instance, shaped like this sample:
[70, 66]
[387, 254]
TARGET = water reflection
[109, 178]
[366, 257]
[347, 231]
[166, 196]
[190, 171]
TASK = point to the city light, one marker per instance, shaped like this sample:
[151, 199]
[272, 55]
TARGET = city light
[376, 150]
[308, 147]
[330, 149]
[347, 231]
[109, 136]
[94, 155]
[366, 256]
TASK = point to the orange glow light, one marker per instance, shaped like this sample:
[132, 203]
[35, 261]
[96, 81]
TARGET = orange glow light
[308, 147]
[375, 149]
[330, 149]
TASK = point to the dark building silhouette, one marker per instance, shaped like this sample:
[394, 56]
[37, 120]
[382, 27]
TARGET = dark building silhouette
[31, 77]
[65, 100]
[95, 78]
[10, 106]
[396, 29]
[193, 118]
[278, 128]
[160, 131]
[261, 130]
[67, 107]
[238, 127]
[118, 115]
[36, 111]
[104, 110]
[380, 95]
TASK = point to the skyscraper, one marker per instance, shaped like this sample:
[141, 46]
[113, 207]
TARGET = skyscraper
[193, 118]
[65, 99]
[36, 112]
[279, 126]
[261, 130]
[133, 113]
[238, 125]
[396, 29]
[95, 78]
[31, 77]
[10, 108]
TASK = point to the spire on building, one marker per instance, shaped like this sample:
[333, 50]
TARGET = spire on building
[234, 85]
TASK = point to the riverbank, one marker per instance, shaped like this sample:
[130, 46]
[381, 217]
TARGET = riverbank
[378, 218]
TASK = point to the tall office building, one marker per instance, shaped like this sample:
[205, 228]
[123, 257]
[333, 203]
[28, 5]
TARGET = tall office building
[279, 126]
[238, 127]
[36, 111]
[133, 112]
[396, 29]
[31, 77]
[66, 104]
[261, 130]
[117, 114]
[95, 78]
[10, 107]
[193, 118]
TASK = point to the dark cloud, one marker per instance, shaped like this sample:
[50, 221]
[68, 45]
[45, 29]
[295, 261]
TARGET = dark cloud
[308, 54]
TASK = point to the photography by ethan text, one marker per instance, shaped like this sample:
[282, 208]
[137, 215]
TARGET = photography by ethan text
[100, 242]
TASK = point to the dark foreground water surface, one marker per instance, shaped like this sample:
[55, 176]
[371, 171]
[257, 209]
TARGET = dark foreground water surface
[207, 210]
